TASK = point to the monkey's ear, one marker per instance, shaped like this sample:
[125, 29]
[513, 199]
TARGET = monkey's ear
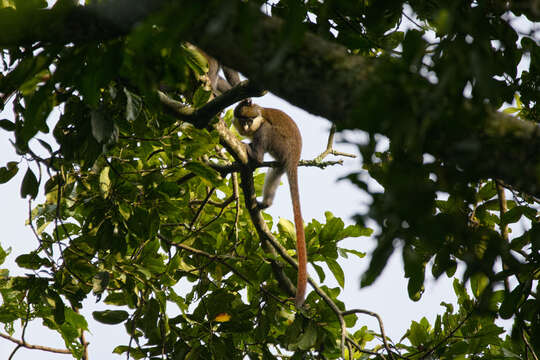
[248, 101]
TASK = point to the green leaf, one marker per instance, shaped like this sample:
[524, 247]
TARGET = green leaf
[417, 334]
[133, 351]
[8, 172]
[309, 337]
[510, 303]
[3, 254]
[110, 317]
[31, 261]
[29, 185]
[487, 191]
[116, 298]
[133, 105]
[320, 272]
[205, 173]
[201, 97]
[479, 282]
[514, 215]
[360, 254]
[104, 182]
[337, 271]
[59, 310]
[195, 60]
[104, 129]
[78, 321]
[7, 125]
[287, 228]
[331, 229]
[100, 282]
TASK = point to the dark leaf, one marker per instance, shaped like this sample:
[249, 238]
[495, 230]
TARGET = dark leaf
[110, 317]
[29, 185]
[9, 171]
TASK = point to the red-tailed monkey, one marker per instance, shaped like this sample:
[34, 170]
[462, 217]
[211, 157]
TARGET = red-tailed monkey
[274, 132]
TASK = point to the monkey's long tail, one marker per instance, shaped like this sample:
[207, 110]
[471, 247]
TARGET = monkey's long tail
[300, 237]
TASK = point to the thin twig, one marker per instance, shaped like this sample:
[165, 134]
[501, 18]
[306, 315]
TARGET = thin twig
[26, 345]
[236, 196]
[353, 343]
[200, 209]
[236, 167]
[329, 148]
[503, 208]
[23, 332]
[528, 346]
[381, 326]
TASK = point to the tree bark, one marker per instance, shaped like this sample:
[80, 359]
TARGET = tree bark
[317, 75]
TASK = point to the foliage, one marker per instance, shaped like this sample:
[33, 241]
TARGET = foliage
[138, 215]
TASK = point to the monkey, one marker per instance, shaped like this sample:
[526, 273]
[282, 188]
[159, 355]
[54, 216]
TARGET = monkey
[273, 131]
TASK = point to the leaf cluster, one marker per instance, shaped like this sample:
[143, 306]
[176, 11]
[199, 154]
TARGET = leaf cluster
[137, 216]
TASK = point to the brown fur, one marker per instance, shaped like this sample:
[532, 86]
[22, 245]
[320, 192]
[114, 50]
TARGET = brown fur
[273, 131]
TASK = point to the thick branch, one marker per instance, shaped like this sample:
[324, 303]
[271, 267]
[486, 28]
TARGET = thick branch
[314, 74]
[201, 117]
[100, 21]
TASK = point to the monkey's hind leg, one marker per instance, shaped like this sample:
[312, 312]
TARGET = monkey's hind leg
[271, 183]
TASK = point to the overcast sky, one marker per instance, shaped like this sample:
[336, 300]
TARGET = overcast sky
[319, 191]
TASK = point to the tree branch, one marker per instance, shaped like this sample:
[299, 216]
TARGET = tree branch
[201, 117]
[330, 147]
[315, 74]
[236, 167]
[26, 345]
[381, 326]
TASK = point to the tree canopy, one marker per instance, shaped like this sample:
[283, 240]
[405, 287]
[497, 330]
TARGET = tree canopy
[148, 187]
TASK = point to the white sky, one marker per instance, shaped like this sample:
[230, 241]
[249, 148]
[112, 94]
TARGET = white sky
[320, 192]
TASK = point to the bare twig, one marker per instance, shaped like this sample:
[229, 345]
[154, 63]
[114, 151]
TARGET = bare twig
[236, 196]
[528, 346]
[236, 167]
[503, 208]
[381, 326]
[329, 147]
[353, 343]
[26, 345]
[200, 209]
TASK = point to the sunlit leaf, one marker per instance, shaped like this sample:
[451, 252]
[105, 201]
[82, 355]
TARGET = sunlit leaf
[222, 317]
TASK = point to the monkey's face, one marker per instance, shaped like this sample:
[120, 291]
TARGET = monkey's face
[247, 126]
[247, 118]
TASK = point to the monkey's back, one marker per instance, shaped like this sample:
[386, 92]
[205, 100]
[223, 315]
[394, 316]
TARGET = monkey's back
[285, 141]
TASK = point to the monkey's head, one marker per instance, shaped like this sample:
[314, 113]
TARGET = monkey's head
[247, 117]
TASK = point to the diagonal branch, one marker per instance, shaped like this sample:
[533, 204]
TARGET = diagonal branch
[381, 326]
[202, 116]
[313, 73]
[330, 147]
[26, 345]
